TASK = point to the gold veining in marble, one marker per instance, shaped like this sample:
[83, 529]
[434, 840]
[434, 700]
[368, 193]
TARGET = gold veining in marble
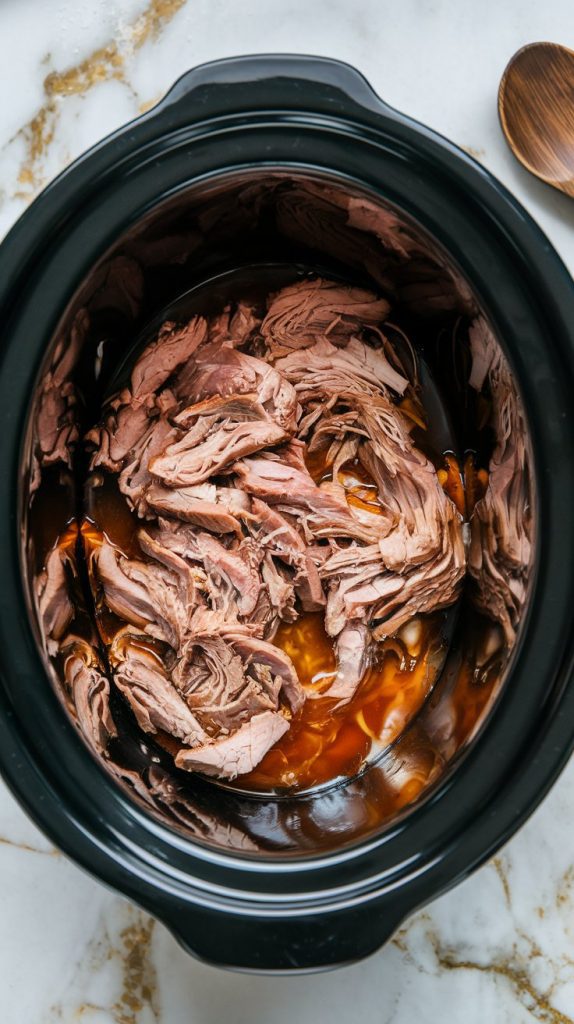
[37, 135]
[500, 869]
[29, 849]
[137, 997]
[139, 981]
[535, 1002]
[106, 63]
[477, 154]
[149, 104]
[153, 20]
[564, 893]
[516, 966]
[100, 66]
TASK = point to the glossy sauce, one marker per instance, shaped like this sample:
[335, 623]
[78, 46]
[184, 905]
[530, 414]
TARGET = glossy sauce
[327, 741]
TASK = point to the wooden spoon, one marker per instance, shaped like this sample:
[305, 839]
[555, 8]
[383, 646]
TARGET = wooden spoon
[536, 110]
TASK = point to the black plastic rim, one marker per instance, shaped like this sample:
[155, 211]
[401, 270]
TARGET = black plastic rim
[319, 115]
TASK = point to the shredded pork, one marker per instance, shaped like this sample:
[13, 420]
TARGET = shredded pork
[214, 445]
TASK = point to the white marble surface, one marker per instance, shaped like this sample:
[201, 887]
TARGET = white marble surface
[499, 948]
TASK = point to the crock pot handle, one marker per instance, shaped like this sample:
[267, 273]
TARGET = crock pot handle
[244, 84]
[291, 943]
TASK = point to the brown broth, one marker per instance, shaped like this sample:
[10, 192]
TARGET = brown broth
[107, 509]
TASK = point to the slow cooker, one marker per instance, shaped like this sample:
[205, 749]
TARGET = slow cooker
[312, 880]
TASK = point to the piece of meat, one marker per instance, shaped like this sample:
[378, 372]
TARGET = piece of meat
[352, 653]
[141, 678]
[201, 506]
[238, 753]
[280, 538]
[135, 478]
[279, 535]
[294, 490]
[90, 692]
[325, 370]
[281, 591]
[243, 324]
[253, 649]
[55, 426]
[123, 428]
[220, 370]
[150, 596]
[308, 586]
[237, 567]
[55, 608]
[500, 551]
[239, 408]
[187, 463]
[173, 347]
[362, 587]
[303, 312]
[222, 691]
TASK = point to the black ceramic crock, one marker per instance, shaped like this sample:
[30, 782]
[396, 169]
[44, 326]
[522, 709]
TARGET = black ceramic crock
[303, 912]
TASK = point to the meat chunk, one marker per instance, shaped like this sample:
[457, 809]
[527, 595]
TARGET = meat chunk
[223, 371]
[323, 369]
[239, 753]
[501, 523]
[253, 649]
[135, 478]
[90, 691]
[185, 463]
[155, 702]
[173, 347]
[307, 310]
[55, 421]
[238, 408]
[278, 536]
[280, 590]
[151, 596]
[123, 428]
[295, 491]
[353, 648]
[202, 505]
[55, 607]
[237, 567]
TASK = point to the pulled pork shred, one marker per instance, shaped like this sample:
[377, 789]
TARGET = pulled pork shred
[210, 443]
[501, 523]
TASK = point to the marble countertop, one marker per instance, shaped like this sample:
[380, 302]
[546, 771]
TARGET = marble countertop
[500, 947]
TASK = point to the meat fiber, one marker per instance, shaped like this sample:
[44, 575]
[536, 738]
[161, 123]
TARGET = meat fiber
[55, 427]
[55, 607]
[217, 509]
[303, 312]
[173, 347]
[501, 523]
[221, 371]
[239, 753]
[321, 514]
[90, 691]
[185, 463]
[143, 681]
